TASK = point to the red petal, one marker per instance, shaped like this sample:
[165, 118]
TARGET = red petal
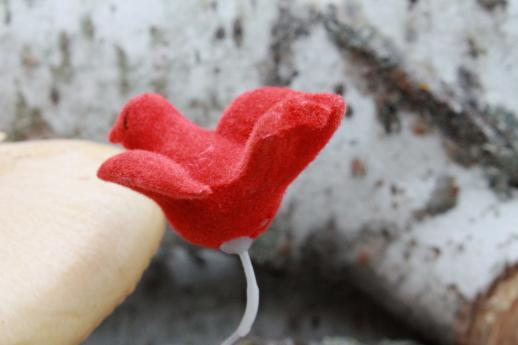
[151, 172]
[289, 136]
[240, 116]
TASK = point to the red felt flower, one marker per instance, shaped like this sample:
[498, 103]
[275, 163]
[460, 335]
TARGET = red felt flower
[218, 185]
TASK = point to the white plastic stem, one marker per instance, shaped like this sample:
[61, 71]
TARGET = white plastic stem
[252, 299]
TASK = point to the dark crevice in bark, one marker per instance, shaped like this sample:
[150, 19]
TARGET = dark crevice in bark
[476, 134]
[279, 69]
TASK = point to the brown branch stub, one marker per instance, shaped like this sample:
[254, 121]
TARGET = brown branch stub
[493, 318]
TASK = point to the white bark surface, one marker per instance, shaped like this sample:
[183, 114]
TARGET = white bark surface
[415, 195]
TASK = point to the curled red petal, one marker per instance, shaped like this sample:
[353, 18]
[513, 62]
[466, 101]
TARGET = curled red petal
[289, 136]
[239, 118]
[151, 172]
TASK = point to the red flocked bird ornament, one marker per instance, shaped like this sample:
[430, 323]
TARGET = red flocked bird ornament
[221, 188]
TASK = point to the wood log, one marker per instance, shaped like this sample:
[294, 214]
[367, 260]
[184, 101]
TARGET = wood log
[415, 198]
[325, 341]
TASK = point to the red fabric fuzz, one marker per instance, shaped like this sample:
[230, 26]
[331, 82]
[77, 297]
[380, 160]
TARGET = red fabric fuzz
[217, 185]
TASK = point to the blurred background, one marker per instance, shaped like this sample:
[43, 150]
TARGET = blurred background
[403, 231]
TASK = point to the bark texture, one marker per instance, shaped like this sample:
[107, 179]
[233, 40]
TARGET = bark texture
[326, 341]
[414, 200]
